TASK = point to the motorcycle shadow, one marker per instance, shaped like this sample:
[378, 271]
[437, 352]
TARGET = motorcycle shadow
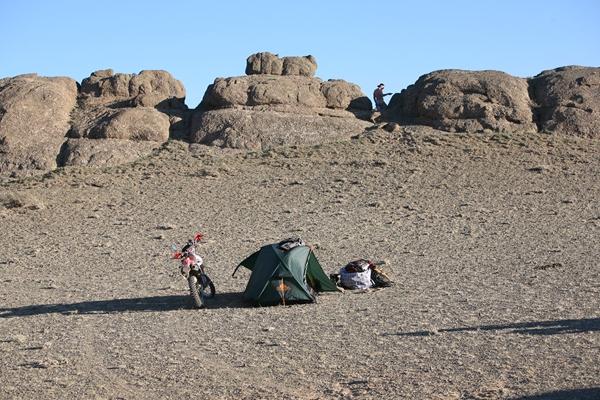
[125, 305]
[227, 300]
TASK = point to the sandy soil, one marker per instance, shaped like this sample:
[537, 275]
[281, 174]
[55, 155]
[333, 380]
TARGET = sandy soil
[492, 241]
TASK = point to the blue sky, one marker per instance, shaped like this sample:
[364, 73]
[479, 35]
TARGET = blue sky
[362, 42]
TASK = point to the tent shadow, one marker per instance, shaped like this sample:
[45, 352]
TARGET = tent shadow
[126, 305]
[552, 327]
[569, 394]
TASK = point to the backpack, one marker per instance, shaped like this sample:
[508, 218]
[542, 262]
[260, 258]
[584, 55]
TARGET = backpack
[290, 243]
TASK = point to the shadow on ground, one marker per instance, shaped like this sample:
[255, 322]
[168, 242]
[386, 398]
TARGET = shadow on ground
[530, 328]
[571, 394]
[136, 304]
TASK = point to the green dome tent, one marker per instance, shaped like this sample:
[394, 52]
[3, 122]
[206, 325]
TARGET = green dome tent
[284, 276]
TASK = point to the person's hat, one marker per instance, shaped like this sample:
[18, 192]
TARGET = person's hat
[380, 85]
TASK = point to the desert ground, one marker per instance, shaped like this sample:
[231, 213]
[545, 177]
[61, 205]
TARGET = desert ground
[492, 241]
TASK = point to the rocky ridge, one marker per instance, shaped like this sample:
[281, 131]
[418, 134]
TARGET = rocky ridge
[114, 118]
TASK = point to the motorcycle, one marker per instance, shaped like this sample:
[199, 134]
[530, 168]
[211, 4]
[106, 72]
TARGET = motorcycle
[192, 269]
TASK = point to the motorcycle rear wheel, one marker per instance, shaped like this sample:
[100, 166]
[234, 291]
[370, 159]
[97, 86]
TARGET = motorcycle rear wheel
[207, 288]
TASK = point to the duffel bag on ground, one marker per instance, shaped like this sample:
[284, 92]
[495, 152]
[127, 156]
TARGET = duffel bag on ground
[355, 280]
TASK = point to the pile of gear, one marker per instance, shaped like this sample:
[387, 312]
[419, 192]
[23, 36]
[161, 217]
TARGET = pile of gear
[361, 274]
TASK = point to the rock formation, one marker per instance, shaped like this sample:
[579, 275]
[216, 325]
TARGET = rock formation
[34, 119]
[113, 118]
[466, 101]
[266, 109]
[140, 107]
[568, 100]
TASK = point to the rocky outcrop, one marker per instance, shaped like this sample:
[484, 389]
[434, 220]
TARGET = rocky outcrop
[278, 103]
[302, 66]
[466, 101]
[568, 100]
[34, 119]
[144, 107]
[343, 95]
[266, 63]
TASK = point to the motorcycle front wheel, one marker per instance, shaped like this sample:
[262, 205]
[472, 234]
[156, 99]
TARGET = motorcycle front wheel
[195, 291]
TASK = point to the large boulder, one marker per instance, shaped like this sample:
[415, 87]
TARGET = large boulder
[261, 128]
[34, 120]
[106, 84]
[266, 63]
[257, 90]
[100, 153]
[466, 101]
[302, 66]
[296, 91]
[139, 123]
[344, 95]
[568, 100]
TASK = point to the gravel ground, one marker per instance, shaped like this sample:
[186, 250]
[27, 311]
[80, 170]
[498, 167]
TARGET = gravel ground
[492, 241]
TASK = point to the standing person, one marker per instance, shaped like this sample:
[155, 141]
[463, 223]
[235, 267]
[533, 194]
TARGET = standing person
[378, 96]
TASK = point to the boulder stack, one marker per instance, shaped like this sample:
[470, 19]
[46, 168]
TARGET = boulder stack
[277, 103]
[143, 108]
